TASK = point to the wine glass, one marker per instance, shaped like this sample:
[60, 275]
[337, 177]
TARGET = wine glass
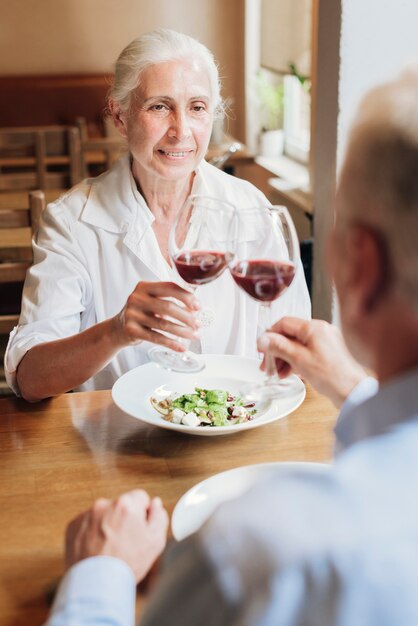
[264, 266]
[199, 248]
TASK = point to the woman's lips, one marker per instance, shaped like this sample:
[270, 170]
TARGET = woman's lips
[175, 154]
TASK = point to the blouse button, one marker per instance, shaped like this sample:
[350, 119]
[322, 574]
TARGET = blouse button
[206, 317]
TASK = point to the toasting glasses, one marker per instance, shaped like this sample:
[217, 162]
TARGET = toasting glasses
[266, 255]
[199, 246]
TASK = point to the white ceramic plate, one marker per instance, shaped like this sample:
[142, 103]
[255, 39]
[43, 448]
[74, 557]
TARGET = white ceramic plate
[198, 504]
[132, 391]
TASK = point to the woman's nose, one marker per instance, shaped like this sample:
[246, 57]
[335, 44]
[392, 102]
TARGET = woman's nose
[180, 126]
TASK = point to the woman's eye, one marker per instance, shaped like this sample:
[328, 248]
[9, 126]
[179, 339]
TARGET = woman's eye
[159, 107]
[199, 108]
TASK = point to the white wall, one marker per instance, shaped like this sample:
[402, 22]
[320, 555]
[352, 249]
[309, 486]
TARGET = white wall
[378, 37]
[86, 36]
[286, 28]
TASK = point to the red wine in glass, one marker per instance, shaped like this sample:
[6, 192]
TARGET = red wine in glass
[199, 267]
[263, 279]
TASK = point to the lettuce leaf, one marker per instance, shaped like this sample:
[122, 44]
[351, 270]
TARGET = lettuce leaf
[218, 396]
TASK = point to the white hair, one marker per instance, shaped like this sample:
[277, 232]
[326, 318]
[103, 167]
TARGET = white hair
[381, 179]
[160, 46]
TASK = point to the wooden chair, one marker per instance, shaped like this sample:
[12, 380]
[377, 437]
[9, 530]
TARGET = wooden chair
[39, 157]
[16, 229]
[99, 154]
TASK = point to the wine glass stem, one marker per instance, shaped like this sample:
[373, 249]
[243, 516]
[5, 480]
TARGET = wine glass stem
[186, 342]
[269, 361]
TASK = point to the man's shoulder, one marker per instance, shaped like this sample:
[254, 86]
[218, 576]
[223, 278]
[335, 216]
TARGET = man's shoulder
[303, 514]
[304, 542]
[293, 516]
[290, 527]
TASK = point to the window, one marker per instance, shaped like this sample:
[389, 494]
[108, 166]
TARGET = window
[297, 118]
[281, 40]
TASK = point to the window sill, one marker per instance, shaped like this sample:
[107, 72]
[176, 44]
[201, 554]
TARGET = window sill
[291, 171]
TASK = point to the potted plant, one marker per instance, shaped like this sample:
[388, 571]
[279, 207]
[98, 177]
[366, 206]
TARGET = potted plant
[271, 100]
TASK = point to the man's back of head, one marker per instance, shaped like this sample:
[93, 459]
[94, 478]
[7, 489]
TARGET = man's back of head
[382, 163]
[377, 227]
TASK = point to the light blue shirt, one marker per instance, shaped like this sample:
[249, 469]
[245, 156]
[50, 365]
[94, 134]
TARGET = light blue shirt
[308, 549]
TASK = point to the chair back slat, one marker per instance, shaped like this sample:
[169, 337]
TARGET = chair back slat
[7, 323]
[13, 271]
[39, 157]
[76, 169]
[15, 237]
[37, 204]
[14, 219]
[17, 225]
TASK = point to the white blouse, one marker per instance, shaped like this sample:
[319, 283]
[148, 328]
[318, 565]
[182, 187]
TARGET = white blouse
[96, 242]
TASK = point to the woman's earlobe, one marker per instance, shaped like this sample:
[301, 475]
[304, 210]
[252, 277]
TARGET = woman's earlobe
[119, 121]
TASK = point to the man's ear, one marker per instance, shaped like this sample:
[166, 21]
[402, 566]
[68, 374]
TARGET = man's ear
[119, 118]
[367, 268]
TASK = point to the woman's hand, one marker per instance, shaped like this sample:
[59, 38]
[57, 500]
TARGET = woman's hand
[315, 351]
[150, 312]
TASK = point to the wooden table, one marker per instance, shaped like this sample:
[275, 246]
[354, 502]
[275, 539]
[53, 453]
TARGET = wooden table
[57, 456]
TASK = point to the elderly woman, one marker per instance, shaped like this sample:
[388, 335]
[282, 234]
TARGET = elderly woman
[102, 289]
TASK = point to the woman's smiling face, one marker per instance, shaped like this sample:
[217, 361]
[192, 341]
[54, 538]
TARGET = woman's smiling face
[170, 120]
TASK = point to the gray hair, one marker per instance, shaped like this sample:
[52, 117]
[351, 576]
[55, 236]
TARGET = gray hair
[160, 46]
[382, 170]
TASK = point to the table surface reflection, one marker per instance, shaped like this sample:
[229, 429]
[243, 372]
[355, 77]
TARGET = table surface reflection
[57, 456]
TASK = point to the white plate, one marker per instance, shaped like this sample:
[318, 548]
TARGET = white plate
[198, 504]
[132, 391]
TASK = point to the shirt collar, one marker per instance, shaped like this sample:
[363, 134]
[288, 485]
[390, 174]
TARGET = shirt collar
[373, 409]
[201, 186]
[114, 201]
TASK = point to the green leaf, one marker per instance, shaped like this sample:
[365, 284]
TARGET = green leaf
[219, 396]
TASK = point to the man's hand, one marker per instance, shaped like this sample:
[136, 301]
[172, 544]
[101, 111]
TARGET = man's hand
[132, 528]
[315, 351]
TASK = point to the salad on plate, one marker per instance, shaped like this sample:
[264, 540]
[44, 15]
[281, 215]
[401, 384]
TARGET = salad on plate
[203, 407]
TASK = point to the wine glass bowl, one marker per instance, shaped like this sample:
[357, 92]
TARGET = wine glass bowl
[199, 267]
[262, 279]
[265, 265]
[198, 242]
[199, 247]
